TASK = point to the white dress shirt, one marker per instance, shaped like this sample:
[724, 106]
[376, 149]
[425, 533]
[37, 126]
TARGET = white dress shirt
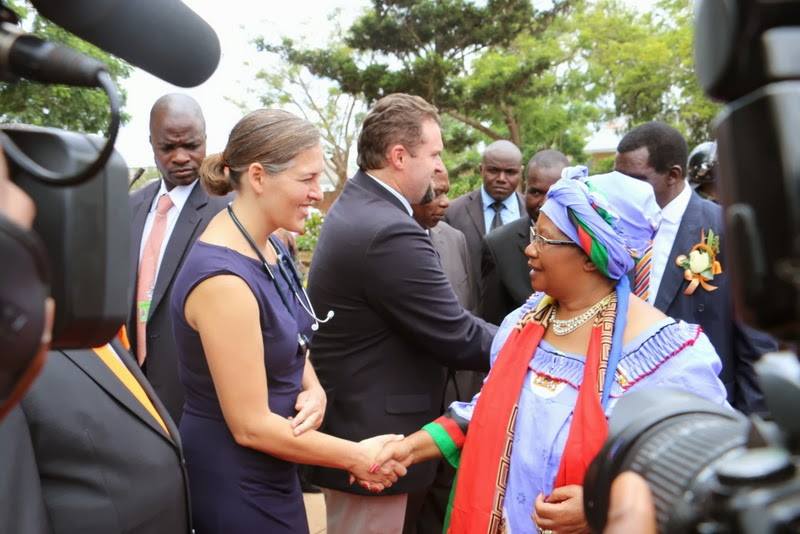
[508, 213]
[401, 198]
[179, 195]
[671, 217]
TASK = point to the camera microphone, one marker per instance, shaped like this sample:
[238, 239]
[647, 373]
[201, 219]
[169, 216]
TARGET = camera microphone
[163, 37]
[26, 56]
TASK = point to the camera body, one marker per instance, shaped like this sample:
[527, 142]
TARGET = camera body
[710, 469]
[86, 229]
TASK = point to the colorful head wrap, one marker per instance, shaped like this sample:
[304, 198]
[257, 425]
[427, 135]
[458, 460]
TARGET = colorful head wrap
[612, 216]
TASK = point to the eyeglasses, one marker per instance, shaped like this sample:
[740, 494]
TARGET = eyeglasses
[538, 239]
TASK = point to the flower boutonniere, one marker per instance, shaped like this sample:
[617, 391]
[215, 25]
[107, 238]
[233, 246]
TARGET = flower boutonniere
[701, 265]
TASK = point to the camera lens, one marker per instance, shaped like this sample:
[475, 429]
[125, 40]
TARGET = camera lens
[673, 443]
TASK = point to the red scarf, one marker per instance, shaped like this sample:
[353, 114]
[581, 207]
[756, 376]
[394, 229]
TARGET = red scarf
[485, 458]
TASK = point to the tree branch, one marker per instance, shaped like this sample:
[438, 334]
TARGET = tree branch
[469, 121]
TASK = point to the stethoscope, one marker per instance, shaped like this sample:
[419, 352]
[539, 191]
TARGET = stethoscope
[305, 302]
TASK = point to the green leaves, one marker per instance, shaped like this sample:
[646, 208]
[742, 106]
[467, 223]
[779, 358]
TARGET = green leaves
[502, 69]
[79, 109]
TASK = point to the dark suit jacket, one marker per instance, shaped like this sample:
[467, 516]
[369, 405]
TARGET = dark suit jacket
[161, 365]
[466, 214]
[505, 275]
[738, 347]
[81, 454]
[382, 357]
[452, 248]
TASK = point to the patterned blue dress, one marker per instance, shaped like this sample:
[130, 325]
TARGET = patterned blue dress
[669, 353]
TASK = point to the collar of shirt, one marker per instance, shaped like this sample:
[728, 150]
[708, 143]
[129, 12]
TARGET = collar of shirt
[510, 201]
[179, 195]
[673, 212]
[401, 198]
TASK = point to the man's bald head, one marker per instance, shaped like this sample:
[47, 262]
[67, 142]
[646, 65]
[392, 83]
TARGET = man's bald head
[544, 169]
[501, 169]
[504, 149]
[177, 104]
[178, 138]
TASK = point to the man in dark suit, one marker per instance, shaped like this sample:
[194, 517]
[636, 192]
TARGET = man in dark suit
[495, 203]
[397, 322]
[657, 153]
[505, 275]
[178, 138]
[91, 449]
[449, 243]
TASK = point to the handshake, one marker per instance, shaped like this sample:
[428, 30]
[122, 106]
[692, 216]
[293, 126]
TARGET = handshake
[382, 460]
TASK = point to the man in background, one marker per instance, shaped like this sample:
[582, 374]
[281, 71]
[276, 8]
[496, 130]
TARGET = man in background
[495, 203]
[657, 153]
[168, 216]
[505, 275]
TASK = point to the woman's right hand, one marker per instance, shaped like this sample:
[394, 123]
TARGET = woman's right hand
[370, 474]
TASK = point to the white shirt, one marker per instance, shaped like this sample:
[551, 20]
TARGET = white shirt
[508, 213]
[671, 217]
[179, 195]
[401, 198]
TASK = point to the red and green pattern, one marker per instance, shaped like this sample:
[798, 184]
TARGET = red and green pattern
[593, 247]
[448, 436]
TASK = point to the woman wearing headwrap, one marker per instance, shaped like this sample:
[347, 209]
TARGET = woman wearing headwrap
[559, 364]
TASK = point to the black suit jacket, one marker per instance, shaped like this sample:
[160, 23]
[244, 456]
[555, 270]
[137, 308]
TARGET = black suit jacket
[161, 365]
[738, 347]
[505, 275]
[397, 324]
[466, 214]
[81, 454]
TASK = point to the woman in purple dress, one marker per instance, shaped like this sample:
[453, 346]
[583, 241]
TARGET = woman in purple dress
[242, 322]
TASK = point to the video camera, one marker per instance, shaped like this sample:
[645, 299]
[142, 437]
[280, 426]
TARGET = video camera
[712, 470]
[79, 249]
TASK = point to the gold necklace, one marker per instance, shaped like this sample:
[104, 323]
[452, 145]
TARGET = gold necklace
[562, 327]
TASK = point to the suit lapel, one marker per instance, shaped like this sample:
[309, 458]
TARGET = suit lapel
[475, 211]
[178, 243]
[93, 366]
[688, 235]
[129, 361]
[364, 181]
[523, 234]
[521, 203]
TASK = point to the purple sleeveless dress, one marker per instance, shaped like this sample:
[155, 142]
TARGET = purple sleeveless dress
[235, 489]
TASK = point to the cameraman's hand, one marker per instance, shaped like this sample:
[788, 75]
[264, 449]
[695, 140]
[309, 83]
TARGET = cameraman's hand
[15, 204]
[631, 508]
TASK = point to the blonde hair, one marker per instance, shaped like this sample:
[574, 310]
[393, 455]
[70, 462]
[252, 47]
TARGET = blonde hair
[271, 137]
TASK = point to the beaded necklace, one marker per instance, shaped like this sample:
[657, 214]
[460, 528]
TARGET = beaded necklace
[562, 327]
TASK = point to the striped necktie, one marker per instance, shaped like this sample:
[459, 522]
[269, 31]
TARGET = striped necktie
[641, 281]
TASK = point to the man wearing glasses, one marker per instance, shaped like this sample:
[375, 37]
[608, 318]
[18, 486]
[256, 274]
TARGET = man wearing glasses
[495, 203]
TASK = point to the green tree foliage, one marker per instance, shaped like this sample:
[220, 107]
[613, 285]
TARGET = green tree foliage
[504, 69]
[645, 61]
[427, 48]
[79, 109]
[495, 70]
